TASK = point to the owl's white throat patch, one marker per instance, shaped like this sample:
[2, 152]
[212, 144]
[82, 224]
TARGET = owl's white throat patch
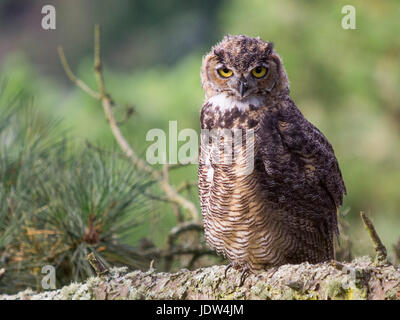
[227, 103]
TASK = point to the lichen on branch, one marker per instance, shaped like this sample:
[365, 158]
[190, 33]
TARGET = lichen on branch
[360, 279]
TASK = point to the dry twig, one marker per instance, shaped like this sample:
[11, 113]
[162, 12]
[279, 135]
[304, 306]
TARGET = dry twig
[380, 250]
[172, 195]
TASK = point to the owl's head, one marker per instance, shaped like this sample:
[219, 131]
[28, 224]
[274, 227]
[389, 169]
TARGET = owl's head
[242, 67]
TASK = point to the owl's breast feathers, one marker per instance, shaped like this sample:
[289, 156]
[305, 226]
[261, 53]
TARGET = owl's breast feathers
[283, 211]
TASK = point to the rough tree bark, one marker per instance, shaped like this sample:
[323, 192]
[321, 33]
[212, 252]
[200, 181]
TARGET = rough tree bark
[360, 279]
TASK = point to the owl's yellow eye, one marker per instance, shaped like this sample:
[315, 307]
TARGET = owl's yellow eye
[225, 72]
[259, 71]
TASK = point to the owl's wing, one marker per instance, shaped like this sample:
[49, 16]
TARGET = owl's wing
[306, 143]
[302, 180]
[300, 164]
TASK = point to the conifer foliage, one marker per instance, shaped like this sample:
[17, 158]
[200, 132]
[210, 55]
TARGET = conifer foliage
[60, 200]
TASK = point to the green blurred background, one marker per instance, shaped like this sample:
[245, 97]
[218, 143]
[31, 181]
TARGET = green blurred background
[346, 82]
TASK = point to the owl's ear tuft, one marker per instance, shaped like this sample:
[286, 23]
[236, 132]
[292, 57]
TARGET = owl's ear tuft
[270, 48]
[281, 72]
[219, 53]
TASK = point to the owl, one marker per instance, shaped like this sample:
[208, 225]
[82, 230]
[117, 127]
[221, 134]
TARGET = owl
[282, 208]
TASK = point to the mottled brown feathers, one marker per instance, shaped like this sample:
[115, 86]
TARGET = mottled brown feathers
[241, 51]
[285, 209]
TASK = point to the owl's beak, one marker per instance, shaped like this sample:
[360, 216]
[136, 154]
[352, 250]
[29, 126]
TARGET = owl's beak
[242, 88]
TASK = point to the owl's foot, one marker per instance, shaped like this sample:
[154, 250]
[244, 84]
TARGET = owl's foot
[245, 271]
[244, 275]
[227, 268]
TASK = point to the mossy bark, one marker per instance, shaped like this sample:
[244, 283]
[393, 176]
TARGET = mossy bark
[360, 279]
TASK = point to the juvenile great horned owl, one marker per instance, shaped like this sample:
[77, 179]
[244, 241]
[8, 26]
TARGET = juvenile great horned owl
[284, 210]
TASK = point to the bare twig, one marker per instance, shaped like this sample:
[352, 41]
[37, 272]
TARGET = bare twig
[380, 250]
[129, 111]
[107, 103]
[73, 78]
[174, 234]
[179, 229]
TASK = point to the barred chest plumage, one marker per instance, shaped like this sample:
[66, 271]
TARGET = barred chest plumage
[232, 199]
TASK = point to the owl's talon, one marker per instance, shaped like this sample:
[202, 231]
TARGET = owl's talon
[243, 276]
[227, 268]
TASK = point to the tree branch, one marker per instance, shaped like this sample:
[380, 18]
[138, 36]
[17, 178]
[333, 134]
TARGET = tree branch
[360, 279]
